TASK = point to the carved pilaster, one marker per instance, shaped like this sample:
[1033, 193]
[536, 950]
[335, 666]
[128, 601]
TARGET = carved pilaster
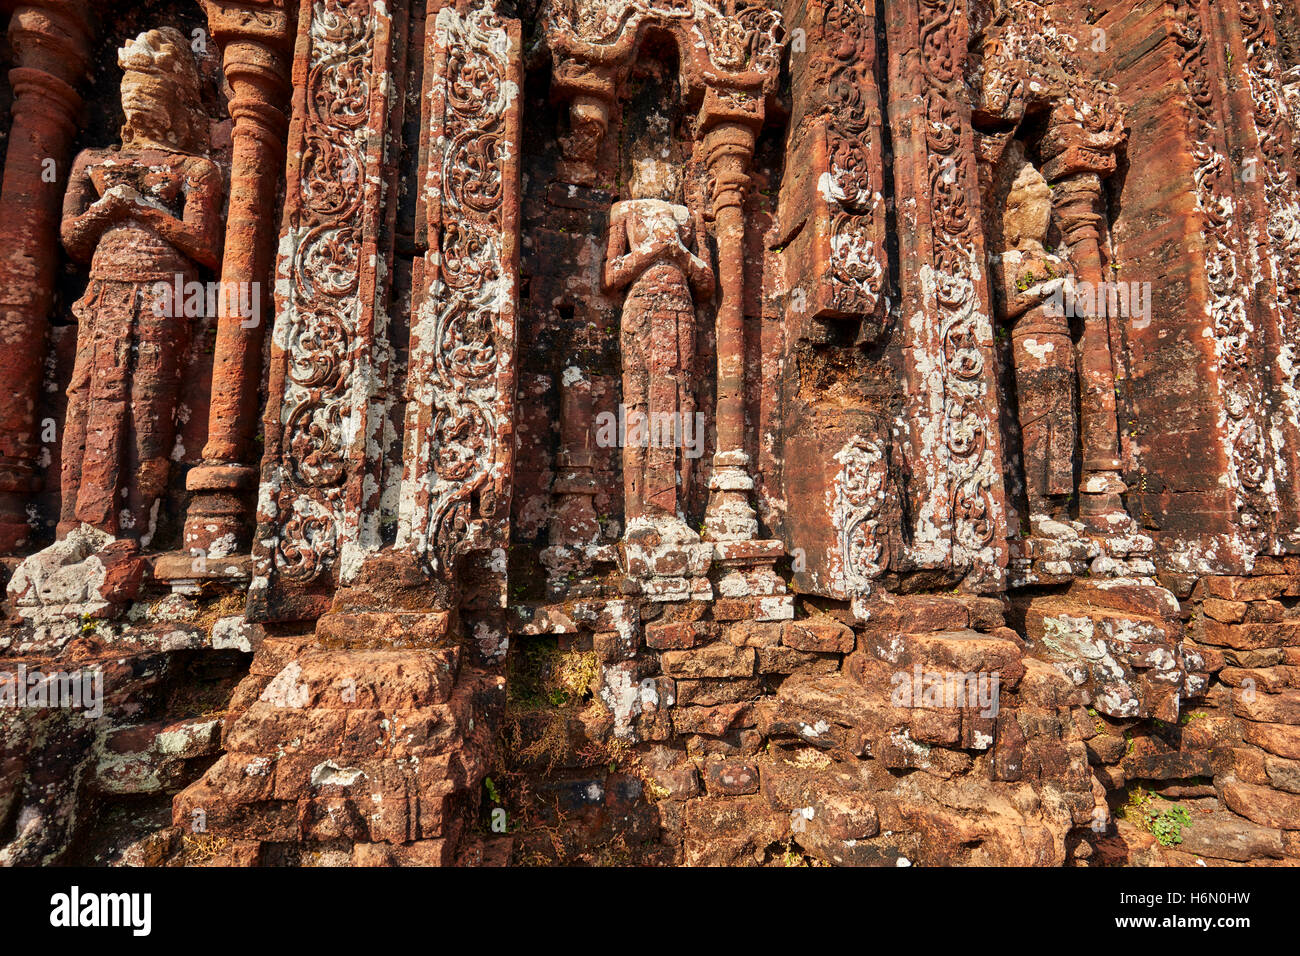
[1262, 144]
[459, 438]
[1237, 342]
[51, 41]
[833, 223]
[318, 498]
[954, 444]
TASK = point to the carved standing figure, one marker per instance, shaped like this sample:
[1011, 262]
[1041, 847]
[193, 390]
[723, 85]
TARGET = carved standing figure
[650, 253]
[1032, 284]
[145, 216]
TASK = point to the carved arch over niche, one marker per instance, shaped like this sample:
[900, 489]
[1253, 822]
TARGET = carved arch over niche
[729, 56]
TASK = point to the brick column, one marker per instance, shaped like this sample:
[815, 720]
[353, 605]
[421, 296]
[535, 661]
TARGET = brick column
[1077, 203]
[51, 43]
[728, 149]
[254, 45]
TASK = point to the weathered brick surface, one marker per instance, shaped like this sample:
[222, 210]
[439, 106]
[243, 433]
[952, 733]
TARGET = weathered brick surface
[719, 433]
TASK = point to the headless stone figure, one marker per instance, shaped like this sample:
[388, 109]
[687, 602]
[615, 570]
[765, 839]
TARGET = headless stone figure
[145, 216]
[650, 240]
[1032, 284]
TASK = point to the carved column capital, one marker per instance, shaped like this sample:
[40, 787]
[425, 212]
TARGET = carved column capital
[1083, 136]
[41, 94]
[264, 20]
[732, 107]
[259, 80]
[52, 36]
[254, 38]
[51, 44]
[728, 150]
[1077, 206]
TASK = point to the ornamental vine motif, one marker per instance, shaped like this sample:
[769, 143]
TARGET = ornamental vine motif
[852, 139]
[1274, 132]
[318, 336]
[1235, 339]
[460, 380]
[860, 490]
[964, 330]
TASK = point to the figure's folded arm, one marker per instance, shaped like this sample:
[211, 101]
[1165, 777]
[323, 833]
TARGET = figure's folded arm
[83, 219]
[198, 234]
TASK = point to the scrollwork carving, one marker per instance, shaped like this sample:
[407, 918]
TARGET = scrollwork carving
[964, 329]
[853, 135]
[860, 492]
[308, 510]
[462, 340]
[1234, 339]
[1273, 126]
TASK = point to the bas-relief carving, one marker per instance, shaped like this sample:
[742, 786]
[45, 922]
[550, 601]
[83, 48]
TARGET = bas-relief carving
[1235, 338]
[314, 506]
[855, 175]
[729, 51]
[964, 509]
[732, 47]
[1030, 288]
[730, 54]
[654, 254]
[726, 53]
[858, 507]
[460, 382]
[144, 215]
[1272, 117]
[729, 36]
[320, 492]
[459, 434]
[1024, 64]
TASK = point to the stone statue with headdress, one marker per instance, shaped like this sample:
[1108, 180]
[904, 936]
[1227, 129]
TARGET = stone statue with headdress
[146, 216]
